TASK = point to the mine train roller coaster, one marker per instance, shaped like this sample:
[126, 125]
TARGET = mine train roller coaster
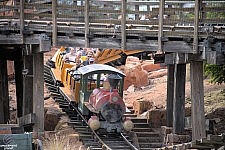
[113, 57]
[97, 92]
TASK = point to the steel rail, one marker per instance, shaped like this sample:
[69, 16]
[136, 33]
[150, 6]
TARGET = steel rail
[100, 140]
[125, 139]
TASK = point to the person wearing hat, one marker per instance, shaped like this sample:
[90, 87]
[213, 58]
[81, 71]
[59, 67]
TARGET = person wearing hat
[90, 59]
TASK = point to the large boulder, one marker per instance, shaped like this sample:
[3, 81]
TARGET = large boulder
[52, 118]
[149, 65]
[135, 74]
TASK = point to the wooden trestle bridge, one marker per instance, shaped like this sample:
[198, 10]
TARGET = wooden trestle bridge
[180, 31]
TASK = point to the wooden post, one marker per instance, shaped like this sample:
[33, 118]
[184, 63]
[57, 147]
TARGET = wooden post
[28, 85]
[179, 98]
[123, 25]
[22, 19]
[86, 17]
[54, 23]
[170, 95]
[196, 24]
[38, 91]
[180, 14]
[19, 86]
[136, 9]
[160, 32]
[197, 100]
[4, 93]
[148, 8]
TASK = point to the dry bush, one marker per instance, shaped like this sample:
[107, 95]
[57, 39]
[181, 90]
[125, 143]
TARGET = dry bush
[56, 142]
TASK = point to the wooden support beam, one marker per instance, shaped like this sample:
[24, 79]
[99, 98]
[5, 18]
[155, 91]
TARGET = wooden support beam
[22, 20]
[27, 72]
[86, 19]
[19, 86]
[196, 24]
[214, 57]
[38, 91]
[181, 58]
[170, 95]
[54, 23]
[197, 100]
[123, 25]
[177, 46]
[4, 93]
[10, 54]
[160, 31]
[28, 119]
[179, 98]
[136, 9]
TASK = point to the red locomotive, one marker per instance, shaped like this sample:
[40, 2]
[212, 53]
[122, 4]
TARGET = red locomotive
[108, 107]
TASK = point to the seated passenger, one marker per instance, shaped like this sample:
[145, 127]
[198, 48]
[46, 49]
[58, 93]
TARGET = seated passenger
[145, 17]
[84, 51]
[78, 61]
[70, 56]
[90, 54]
[89, 61]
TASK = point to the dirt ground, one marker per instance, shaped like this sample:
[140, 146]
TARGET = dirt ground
[156, 92]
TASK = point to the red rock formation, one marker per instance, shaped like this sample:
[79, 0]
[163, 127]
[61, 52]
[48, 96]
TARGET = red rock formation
[149, 65]
[134, 73]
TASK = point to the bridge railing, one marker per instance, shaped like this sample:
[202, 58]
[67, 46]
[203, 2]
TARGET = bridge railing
[120, 20]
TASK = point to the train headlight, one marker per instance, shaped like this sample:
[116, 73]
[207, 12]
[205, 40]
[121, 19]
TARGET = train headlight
[128, 125]
[115, 99]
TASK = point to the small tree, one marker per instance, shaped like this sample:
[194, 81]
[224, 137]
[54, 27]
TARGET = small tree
[215, 72]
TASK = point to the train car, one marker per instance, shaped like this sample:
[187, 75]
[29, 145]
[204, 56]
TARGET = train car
[112, 57]
[97, 92]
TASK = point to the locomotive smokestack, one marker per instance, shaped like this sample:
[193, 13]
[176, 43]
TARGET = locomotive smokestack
[113, 81]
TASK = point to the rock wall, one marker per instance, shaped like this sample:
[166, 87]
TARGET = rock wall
[135, 74]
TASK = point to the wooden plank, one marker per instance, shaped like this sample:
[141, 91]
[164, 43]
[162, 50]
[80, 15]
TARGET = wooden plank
[14, 39]
[182, 47]
[204, 9]
[179, 98]
[67, 93]
[38, 92]
[123, 25]
[22, 20]
[4, 93]
[170, 95]
[197, 100]
[10, 54]
[28, 85]
[9, 125]
[196, 24]
[161, 21]
[54, 23]
[215, 57]
[56, 74]
[28, 119]
[19, 85]
[87, 21]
